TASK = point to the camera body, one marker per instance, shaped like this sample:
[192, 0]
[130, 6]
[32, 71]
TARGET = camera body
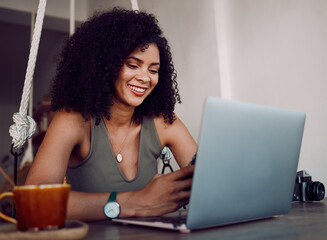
[307, 190]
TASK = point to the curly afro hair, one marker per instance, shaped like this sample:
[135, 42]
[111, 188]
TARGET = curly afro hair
[92, 58]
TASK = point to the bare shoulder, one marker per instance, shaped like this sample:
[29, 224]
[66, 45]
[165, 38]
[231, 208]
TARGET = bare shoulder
[69, 125]
[71, 116]
[71, 119]
[168, 132]
[163, 125]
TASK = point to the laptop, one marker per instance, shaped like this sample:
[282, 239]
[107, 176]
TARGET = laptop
[245, 166]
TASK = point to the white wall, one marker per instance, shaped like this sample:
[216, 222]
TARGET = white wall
[277, 56]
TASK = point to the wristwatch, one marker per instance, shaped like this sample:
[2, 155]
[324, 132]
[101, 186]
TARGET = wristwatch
[112, 208]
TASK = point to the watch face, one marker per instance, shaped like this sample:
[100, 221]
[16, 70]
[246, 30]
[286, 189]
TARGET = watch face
[112, 209]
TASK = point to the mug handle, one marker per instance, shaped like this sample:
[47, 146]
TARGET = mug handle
[3, 216]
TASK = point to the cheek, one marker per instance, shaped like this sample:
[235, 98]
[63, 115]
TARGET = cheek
[125, 73]
[123, 77]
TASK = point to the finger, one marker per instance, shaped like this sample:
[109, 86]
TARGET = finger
[183, 184]
[181, 173]
[182, 196]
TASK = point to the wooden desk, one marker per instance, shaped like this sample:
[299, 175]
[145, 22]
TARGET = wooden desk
[305, 221]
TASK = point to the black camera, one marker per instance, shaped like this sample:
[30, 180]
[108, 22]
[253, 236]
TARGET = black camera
[307, 190]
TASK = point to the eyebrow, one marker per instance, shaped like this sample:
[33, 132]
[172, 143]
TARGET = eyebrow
[141, 61]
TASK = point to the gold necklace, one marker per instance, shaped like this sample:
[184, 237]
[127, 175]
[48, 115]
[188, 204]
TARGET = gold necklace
[119, 156]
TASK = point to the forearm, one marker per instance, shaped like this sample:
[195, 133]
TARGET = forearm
[86, 206]
[89, 206]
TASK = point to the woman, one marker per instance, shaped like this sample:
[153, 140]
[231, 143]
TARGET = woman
[114, 95]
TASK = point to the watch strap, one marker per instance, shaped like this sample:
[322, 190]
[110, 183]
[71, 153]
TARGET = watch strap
[112, 197]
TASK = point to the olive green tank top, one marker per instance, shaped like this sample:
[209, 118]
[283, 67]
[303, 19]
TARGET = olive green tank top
[99, 171]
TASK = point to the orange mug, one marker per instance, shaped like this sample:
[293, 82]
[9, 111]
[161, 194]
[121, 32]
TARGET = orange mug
[39, 207]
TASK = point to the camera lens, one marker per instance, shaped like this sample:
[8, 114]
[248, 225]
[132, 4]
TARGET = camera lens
[315, 191]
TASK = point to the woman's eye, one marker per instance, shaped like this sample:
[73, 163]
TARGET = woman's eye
[153, 71]
[131, 66]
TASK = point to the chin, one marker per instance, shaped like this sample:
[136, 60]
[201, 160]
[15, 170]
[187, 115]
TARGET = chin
[135, 102]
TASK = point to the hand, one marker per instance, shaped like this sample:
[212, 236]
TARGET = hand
[163, 194]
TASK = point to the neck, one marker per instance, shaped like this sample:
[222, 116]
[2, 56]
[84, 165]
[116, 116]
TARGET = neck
[120, 115]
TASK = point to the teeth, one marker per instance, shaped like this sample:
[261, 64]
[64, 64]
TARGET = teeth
[141, 90]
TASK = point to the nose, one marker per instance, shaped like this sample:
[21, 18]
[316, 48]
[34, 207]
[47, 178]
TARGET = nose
[143, 75]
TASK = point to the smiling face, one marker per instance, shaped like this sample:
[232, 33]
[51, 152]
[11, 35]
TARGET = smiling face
[138, 76]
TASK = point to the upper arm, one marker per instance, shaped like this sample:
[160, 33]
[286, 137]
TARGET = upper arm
[67, 130]
[177, 137]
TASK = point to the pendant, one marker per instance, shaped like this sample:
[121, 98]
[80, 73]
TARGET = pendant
[119, 157]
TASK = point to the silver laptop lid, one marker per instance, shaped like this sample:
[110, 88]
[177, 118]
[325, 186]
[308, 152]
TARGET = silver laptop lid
[246, 163]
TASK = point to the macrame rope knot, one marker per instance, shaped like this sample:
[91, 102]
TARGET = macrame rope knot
[23, 129]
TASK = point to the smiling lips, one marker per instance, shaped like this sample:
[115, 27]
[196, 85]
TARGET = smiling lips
[139, 91]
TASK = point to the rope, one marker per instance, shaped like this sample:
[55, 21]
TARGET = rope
[28, 156]
[72, 17]
[25, 126]
[135, 5]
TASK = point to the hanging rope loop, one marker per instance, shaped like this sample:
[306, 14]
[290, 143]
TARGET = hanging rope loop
[14, 153]
[23, 129]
